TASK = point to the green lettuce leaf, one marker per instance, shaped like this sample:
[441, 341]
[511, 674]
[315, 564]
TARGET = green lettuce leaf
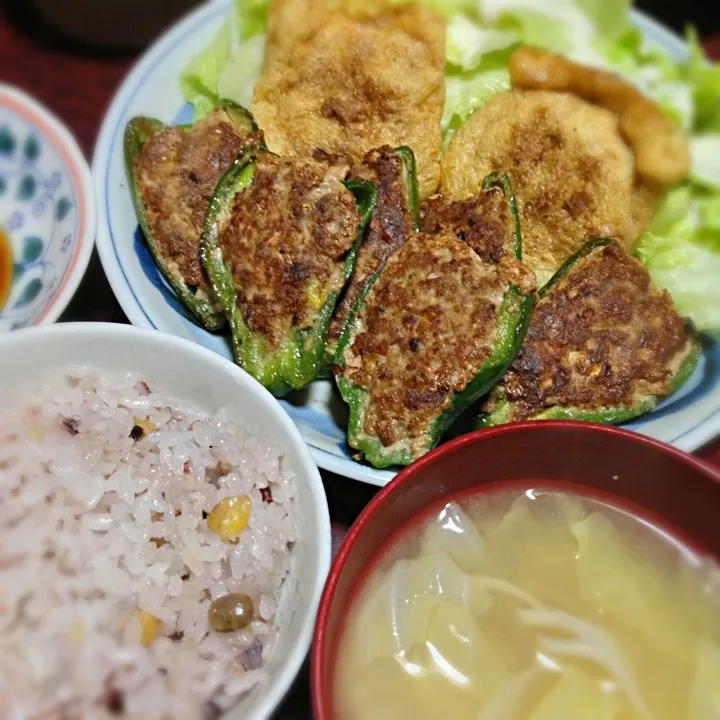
[705, 155]
[610, 17]
[468, 43]
[704, 79]
[674, 211]
[688, 271]
[653, 72]
[250, 16]
[561, 26]
[682, 253]
[238, 77]
[466, 91]
[625, 51]
[199, 79]
[216, 72]
[534, 27]
[448, 8]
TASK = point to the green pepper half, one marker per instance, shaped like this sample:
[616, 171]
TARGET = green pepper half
[159, 175]
[397, 214]
[294, 360]
[504, 330]
[604, 345]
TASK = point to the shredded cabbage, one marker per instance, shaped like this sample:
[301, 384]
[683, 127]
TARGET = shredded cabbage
[610, 17]
[704, 79]
[225, 68]
[689, 270]
[448, 8]
[199, 78]
[705, 152]
[682, 252]
[237, 78]
[250, 17]
[468, 43]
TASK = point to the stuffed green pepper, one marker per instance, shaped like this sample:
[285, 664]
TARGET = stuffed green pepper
[279, 243]
[173, 172]
[604, 345]
[437, 329]
[396, 216]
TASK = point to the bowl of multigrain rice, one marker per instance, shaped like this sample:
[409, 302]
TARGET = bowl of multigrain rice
[164, 533]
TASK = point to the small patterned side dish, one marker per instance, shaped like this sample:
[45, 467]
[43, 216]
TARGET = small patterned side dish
[47, 213]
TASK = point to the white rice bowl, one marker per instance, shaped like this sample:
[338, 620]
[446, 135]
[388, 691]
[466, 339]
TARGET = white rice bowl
[107, 563]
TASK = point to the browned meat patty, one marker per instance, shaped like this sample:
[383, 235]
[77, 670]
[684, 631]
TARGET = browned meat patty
[390, 225]
[603, 336]
[285, 242]
[485, 223]
[176, 175]
[428, 325]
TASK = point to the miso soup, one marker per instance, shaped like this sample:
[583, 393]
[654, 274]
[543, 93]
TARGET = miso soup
[532, 604]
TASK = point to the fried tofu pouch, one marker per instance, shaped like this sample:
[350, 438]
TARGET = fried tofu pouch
[661, 149]
[573, 173]
[347, 77]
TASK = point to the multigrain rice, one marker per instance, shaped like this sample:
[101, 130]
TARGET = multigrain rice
[100, 520]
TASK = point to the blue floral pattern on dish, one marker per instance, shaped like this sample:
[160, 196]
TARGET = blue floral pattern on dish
[38, 212]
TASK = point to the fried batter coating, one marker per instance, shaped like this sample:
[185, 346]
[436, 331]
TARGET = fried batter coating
[661, 149]
[347, 77]
[573, 174]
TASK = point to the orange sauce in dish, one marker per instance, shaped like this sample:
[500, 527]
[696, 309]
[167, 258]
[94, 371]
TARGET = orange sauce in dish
[6, 267]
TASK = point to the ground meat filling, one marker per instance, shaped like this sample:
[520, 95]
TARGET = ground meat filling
[485, 223]
[428, 325]
[389, 226]
[176, 174]
[604, 336]
[286, 241]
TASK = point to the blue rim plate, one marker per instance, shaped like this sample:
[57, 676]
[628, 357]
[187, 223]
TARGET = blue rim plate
[687, 420]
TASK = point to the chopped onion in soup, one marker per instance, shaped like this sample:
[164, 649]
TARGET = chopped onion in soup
[533, 605]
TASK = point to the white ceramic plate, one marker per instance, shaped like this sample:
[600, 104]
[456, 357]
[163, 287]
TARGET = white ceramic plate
[687, 420]
[202, 381]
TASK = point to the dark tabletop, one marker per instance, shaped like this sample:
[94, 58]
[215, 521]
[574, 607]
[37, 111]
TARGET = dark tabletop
[76, 80]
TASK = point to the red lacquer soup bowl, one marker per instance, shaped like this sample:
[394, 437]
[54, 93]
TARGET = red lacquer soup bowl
[671, 488]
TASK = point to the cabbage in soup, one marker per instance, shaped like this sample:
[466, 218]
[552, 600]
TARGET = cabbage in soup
[533, 605]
